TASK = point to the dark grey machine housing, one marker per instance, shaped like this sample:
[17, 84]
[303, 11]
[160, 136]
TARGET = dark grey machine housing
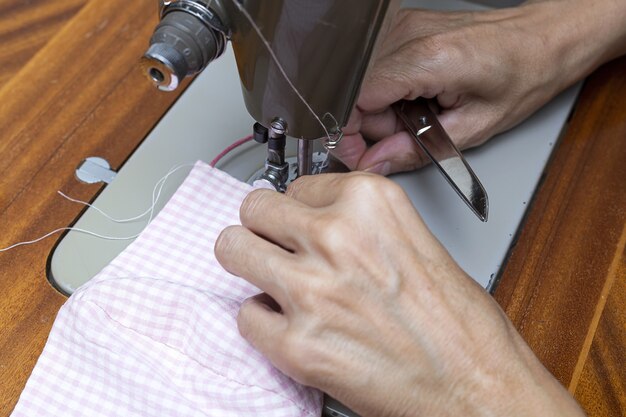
[302, 61]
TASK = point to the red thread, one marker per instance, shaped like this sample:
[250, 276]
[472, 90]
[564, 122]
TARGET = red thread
[229, 149]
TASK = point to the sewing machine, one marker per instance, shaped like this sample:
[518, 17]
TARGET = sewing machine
[213, 112]
[300, 63]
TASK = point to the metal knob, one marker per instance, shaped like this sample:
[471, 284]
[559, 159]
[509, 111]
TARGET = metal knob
[188, 38]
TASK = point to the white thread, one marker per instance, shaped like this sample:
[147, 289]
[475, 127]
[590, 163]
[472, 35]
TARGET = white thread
[319, 169]
[280, 67]
[61, 229]
[159, 185]
[155, 197]
[84, 203]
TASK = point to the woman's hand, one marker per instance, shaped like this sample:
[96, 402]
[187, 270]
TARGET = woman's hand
[363, 303]
[487, 70]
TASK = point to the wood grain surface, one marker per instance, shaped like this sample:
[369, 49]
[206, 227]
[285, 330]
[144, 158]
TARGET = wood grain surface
[571, 250]
[80, 95]
[26, 26]
[601, 387]
[70, 87]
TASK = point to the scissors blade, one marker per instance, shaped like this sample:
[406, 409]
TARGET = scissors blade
[423, 125]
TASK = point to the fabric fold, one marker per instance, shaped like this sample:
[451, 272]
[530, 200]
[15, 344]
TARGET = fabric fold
[155, 332]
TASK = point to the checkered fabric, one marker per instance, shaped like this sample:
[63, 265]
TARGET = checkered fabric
[155, 333]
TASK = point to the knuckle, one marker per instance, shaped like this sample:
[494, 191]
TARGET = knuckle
[270, 267]
[318, 225]
[419, 160]
[305, 295]
[294, 189]
[322, 225]
[392, 191]
[410, 162]
[300, 355]
[432, 53]
[405, 19]
[226, 242]
[334, 230]
[367, 184]
[433, 46]
[373, 194]
[331, 235]
[252, 205]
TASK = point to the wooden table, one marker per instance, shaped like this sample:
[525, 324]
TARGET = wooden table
[70, 87]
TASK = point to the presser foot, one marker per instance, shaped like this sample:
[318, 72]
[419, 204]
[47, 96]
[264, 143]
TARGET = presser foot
[319, 164]
[277, 175]
[280, 171]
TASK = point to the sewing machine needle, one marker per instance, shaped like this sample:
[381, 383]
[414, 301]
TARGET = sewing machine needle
[422, 123]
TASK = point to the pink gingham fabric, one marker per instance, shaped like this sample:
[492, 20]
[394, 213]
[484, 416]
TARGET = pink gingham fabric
[155, 333]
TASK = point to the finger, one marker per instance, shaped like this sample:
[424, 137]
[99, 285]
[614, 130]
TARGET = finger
[468, 125]
[378, 126]
[263, 264]
[274, 216]
[316, 190]
[261, 325]
[397, 153]
[382, 87]
[395, 78]
[350, 150]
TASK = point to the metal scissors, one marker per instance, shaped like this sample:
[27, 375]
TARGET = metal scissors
[421, 122]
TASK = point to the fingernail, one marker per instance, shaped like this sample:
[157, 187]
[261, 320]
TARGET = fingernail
[382, 168]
